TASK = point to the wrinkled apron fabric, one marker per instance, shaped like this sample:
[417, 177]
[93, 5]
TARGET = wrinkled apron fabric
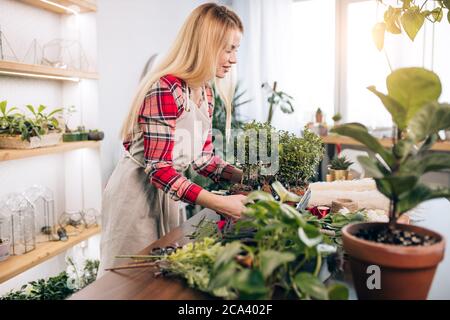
[134, 212]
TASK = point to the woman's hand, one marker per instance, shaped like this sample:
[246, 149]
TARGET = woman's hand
[231, 206]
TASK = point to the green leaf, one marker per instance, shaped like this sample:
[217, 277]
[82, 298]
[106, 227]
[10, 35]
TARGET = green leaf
[311, 286]
[250, 284]
[430, 162]
[432, 118]
[310, 235]
[360, 133]
[413, 88]
[228, 253]
[448, 16]
[31, 108]
[54, 112]
[41, 108]
[412, 20]
[3, 107]
[396, 185]
[446, 3]
[437, 14]
[370, 166]
[338, 292]
[397, 111]
[259, 195]
[419, 194]
[378, 32]
[271, 259]
[392, 20]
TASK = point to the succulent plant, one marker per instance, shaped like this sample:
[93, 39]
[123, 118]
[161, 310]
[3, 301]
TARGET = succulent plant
[340, 163]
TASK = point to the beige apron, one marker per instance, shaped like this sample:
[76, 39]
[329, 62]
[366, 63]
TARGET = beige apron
[134, 212]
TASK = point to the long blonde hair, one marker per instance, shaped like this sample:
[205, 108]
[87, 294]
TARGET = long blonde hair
[193, 58]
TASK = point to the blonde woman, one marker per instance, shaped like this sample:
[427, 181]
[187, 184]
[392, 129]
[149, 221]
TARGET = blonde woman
[169, 128]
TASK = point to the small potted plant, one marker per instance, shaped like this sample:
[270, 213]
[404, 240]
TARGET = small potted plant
[96, 135]
[19, 131]
[319, 116]
[84, 134]
[337, 119]
[69, 135]
[338, 168]
[407, 255]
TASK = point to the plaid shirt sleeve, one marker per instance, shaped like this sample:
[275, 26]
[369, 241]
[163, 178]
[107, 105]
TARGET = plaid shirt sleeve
[157, 118]
[209, 164]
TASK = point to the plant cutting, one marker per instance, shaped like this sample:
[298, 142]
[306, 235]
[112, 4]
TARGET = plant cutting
[338, 168]
[18, 131]
[407, 255]
[283, 261]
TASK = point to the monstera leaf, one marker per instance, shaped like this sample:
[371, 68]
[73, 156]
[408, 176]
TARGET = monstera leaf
[360, 133]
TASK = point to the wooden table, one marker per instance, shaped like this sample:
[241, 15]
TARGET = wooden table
[140, 284]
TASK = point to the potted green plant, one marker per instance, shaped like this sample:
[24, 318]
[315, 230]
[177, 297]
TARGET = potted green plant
[96, 135]
[319, 116]
[407, 255]
[18, 131]
[337, 119]
[299, 158]
[338, 168]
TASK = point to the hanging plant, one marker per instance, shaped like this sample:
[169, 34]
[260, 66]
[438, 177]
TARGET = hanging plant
[409, 17]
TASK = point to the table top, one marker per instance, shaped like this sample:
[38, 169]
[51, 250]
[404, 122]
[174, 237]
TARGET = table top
[141, 284]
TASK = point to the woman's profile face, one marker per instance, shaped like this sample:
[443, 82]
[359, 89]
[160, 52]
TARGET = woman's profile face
[228, 55]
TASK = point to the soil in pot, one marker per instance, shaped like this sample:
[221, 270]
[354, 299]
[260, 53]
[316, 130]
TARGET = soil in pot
[386, 271]
[240, 188]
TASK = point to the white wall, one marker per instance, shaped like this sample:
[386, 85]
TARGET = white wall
[129, 32]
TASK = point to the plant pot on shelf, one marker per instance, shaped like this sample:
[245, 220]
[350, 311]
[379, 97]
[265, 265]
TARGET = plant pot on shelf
[339, 174]
[71, 136]
[96, 135]
[4, 249]
[84, 136]
[406, 272]
[16, 142]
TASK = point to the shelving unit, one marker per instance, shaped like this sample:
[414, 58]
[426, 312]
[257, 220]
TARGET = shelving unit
[335, 139]
[13, 154]
[15, 265]
[24, 70]
[55, 5]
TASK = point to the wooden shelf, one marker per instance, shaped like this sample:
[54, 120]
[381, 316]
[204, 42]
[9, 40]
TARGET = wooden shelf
[335, 139]
[30, 70]
[15, 265]
[13, 154]
[83, 5]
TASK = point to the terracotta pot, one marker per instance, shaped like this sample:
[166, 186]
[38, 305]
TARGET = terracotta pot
[405, 272]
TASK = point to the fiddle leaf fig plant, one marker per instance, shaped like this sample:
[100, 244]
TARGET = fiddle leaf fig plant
[412, 101]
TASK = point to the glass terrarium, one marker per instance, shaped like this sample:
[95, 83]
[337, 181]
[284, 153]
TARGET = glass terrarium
[41, 198]
[5, 231]
[22, 219]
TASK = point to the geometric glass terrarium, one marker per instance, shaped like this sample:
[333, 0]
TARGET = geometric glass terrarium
[22, 229]
[41, 198]
[5, 230]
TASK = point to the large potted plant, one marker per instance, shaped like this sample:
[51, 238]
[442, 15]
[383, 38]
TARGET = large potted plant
[407, 255]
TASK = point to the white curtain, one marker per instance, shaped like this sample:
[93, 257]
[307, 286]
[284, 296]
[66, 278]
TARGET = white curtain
[264, 55]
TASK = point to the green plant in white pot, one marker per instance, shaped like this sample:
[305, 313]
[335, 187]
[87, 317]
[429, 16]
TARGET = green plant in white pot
[407, 255]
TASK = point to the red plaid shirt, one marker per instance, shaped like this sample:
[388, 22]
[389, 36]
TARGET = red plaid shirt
[163, 104]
